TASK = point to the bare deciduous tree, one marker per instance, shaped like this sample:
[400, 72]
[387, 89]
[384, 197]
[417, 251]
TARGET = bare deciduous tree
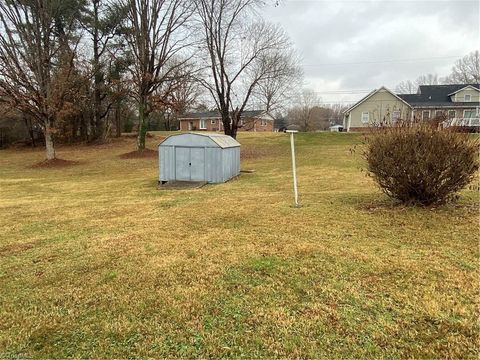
[275, 92]
[179, 94]
[36, 60]
[157, 34]
[466, 70]
[302, 114]
[406, 87]
[102, 20]
[240, 53]
[411, 87]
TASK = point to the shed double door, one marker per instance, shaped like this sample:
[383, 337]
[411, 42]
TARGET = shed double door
[189, 163]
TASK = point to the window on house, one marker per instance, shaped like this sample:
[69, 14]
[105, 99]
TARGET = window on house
[468, 97]
[263, 122]
[365, 117]
[425, 114]
[203, 124]
[438, 113]
[451, 114]
[469, 113]
[396, 115]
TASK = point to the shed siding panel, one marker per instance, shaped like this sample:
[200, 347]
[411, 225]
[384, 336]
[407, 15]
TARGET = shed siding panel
[203, 158]
[213, 165]
[230, 163]
[166, 163]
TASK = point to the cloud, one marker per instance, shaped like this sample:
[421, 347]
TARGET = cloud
[351, 45]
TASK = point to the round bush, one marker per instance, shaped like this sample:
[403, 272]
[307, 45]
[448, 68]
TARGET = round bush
[421, 163]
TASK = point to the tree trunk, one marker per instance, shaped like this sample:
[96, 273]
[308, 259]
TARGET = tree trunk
[49, 143]
[99, 128]
[232, 124]
[28, 124]
[118, 120]
[142, 125]
[229, 127]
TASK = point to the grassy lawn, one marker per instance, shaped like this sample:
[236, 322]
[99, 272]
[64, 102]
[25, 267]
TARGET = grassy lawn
[96, 262]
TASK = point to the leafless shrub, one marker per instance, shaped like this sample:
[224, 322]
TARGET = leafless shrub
[421, 163]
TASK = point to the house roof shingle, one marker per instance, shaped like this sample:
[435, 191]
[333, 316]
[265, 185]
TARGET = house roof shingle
[436, 95]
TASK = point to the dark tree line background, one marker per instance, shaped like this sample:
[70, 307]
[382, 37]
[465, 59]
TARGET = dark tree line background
[88, 70]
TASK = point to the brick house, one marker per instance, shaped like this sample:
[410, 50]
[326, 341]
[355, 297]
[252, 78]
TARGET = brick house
[459, 103]
[253, 120]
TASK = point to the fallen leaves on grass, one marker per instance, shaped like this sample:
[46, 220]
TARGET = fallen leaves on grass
[55, 163]
[140, 154]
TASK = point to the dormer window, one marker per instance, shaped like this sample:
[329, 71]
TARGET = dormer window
[468, 97]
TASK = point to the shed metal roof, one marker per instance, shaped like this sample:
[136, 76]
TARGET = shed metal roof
[223, 141]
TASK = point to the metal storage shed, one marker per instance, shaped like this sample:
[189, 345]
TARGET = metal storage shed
[211, 158]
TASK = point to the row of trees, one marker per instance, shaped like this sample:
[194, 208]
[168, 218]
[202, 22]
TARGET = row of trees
[465, 71]
[309, 114]
[74, 68]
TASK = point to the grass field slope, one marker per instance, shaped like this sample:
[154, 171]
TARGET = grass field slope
[96, 262]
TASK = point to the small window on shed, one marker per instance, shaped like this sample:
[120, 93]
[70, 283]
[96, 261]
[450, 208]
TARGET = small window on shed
[365, 117]
[468, 97]
[213, 121]
[263, 122]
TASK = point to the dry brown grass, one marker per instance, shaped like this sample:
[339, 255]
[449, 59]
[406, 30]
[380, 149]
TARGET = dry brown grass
[140, 154]
[96, 262]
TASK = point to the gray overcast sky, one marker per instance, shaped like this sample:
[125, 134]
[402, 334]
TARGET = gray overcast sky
[362, 45]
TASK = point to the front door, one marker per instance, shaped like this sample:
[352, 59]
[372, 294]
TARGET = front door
[189, 164]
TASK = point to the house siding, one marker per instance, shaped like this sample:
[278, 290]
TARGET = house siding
[380, 107]
[460, 96]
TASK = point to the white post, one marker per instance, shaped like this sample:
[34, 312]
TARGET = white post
[294, 170]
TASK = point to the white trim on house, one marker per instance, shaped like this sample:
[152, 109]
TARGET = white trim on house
[395, 118]
[468, 86]
[373, 93]
[476, 112]
[367, 117]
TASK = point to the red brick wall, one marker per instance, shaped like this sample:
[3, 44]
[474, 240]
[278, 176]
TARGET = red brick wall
[196, 125]
[248, 125]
